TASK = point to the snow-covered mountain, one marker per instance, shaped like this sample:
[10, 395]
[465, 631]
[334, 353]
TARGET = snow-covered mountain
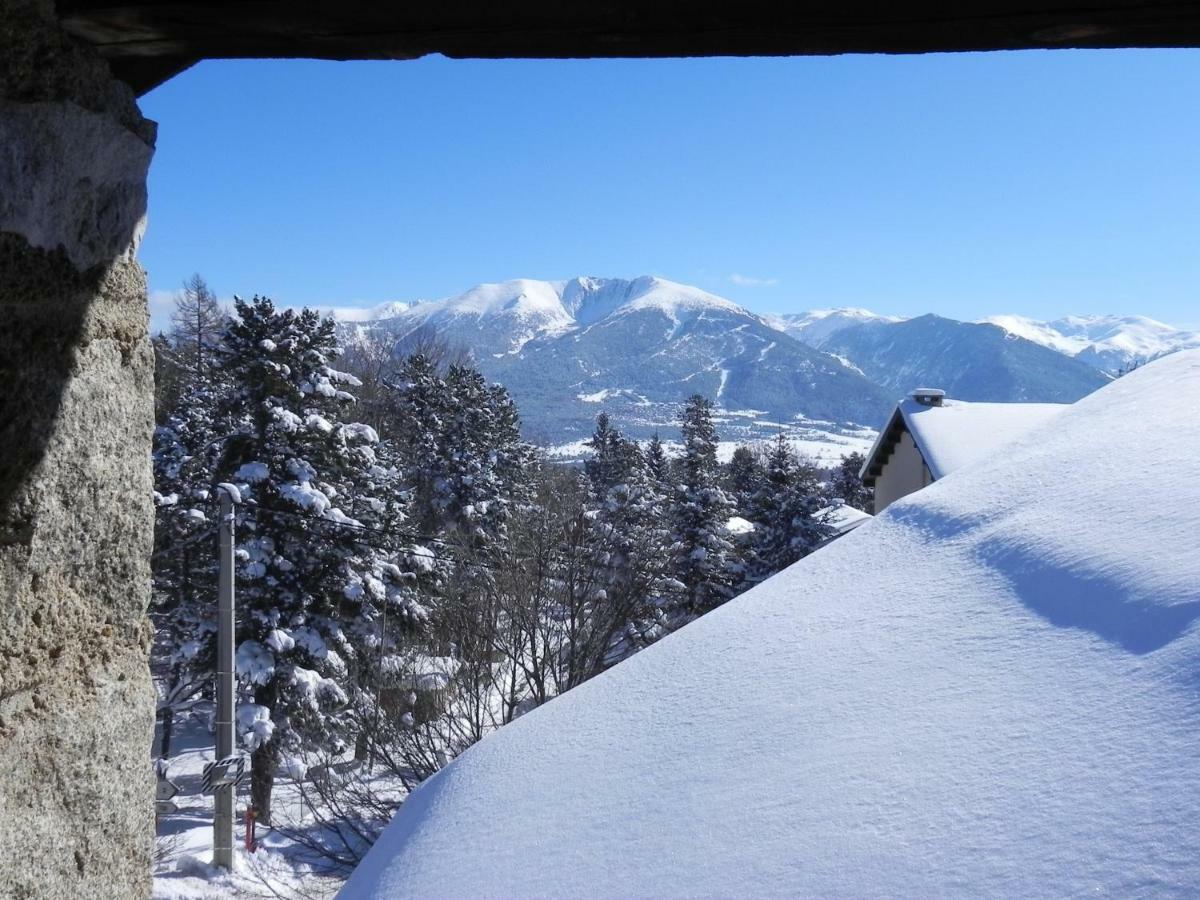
[369, 313]
[970, 361]
[637, 348]
[817, 325]
[990, 689]
[492, 318]
[1111, 343]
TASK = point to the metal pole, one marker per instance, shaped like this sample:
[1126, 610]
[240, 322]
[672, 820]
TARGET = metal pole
[223, 796]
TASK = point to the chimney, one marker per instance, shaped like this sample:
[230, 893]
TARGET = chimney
[928, 396]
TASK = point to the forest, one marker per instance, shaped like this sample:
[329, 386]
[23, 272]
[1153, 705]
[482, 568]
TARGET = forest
[411, 573]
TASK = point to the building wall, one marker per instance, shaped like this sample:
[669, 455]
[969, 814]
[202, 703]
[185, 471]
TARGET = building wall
[904, 472]
[76, 418]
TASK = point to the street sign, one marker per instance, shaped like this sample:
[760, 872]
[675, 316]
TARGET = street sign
[165, 808]
[167, 789]
[220, 772]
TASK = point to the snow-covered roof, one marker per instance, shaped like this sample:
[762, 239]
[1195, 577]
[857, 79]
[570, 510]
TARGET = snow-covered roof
[956, 432]
[989, 688]
[843, 518]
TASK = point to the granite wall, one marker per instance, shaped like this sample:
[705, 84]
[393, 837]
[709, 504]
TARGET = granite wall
[76, 369]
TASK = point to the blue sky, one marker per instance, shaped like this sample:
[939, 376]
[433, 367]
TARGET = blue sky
[1039, 183]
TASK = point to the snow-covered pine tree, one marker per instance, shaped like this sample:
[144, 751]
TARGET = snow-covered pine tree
[702, 552]
[418, 401]
[847, 486]
[485, 467]
[743, 477]
[610, 456]
[461, 448]
[315, 595]
[630, 533]
[186, 448]
[468, 470]
[169, 377]
[658, 465]
[786, 513]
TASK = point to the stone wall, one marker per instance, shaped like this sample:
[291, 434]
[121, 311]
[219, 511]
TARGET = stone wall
[76, 702]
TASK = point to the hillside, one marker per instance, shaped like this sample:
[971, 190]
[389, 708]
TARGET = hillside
[968, 360]
[989, 689]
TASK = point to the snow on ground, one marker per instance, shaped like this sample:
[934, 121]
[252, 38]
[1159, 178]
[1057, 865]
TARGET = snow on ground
[990, 689]
[825, 448]
[280, 867]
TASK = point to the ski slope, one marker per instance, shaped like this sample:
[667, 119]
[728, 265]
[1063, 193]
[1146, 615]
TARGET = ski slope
[989, 690]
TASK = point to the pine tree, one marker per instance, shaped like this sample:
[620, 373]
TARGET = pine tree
[702, 551]
[169, 378]
[461, 448]
[786, 513]
[313, 593]
[629, 530]
[847, 486]
[186, 448]
[485, 466]
[420, 400]
[743, 477]
[615, 459]
[658, 465]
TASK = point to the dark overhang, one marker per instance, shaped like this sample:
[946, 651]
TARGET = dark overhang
[148, 41]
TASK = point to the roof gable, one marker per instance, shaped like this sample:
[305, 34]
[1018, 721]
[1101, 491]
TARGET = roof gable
[955, 433]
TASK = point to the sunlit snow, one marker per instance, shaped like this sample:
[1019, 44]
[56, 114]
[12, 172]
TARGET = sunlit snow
[990, 689]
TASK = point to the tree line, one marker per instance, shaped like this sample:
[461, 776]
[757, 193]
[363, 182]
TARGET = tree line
[411, 574]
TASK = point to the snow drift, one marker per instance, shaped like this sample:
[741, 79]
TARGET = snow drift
[989, 689]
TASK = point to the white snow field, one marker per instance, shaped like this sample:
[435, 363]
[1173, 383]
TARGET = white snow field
[992, 689]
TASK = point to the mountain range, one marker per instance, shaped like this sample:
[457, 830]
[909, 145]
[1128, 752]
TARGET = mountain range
[637, 348]
[1111, 343]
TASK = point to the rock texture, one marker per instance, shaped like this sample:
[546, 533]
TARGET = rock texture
[76, 702]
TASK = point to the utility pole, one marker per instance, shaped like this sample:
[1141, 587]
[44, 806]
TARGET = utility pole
[223, 797]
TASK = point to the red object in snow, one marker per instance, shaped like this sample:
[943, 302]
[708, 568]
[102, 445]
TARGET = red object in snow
[251, 815]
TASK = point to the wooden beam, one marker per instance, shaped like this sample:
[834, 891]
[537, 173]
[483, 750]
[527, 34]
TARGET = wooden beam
[128, 33]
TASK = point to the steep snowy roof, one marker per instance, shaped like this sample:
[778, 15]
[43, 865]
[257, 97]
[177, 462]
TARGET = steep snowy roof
[989, 688]
[957, 433]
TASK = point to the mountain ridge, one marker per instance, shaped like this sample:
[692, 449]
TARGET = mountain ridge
[637, 347]
[640, 346]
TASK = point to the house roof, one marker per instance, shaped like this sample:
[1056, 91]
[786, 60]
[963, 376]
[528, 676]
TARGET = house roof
[989, 688]
[843, 518]
[956, 433]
